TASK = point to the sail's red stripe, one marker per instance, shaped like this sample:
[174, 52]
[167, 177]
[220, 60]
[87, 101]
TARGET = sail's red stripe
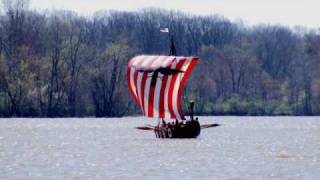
[172, 84]
[151, 97]
[155, 88]
[161, 98]
[135, 77]
[192, 64]
[132, 91]
[129, 83]
[162, 93]
[153, 85]
[143, 84]
[136, 82]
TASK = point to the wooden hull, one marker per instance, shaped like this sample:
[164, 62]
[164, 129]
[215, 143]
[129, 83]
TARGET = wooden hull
[188, 129]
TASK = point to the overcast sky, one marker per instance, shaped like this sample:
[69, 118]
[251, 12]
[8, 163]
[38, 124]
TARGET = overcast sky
[286, 12]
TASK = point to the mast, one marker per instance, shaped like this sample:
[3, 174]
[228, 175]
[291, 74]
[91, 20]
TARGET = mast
[173, 51]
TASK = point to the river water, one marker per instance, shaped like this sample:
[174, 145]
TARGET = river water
[90, 148]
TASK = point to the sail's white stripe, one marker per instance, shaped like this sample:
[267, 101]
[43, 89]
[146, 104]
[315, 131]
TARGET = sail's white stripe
[158, 62]
[146, 63]
[133, 87]
[139, 79]
[156, 98]
[148, 84]
[135, 61]
[176, 88]
[166, 93]
[139, 82]
[144, 100]
[174, 94]
[131, 82]
[166, 63]
[157, 91]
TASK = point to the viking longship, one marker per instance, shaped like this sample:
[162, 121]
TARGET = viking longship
[156, 84]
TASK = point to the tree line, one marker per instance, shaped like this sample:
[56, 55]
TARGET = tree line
[61, 64]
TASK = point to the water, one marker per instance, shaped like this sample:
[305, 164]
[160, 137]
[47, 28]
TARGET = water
[89, 148]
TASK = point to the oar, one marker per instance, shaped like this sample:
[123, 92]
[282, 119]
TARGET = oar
[151, 128]
[146, 127]
[204, 126]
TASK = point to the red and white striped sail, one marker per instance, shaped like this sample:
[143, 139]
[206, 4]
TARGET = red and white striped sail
[156, 83]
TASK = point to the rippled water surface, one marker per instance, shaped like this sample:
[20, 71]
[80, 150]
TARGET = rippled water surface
[89, 148]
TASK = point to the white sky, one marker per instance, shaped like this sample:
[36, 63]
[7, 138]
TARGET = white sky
[286, 12]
